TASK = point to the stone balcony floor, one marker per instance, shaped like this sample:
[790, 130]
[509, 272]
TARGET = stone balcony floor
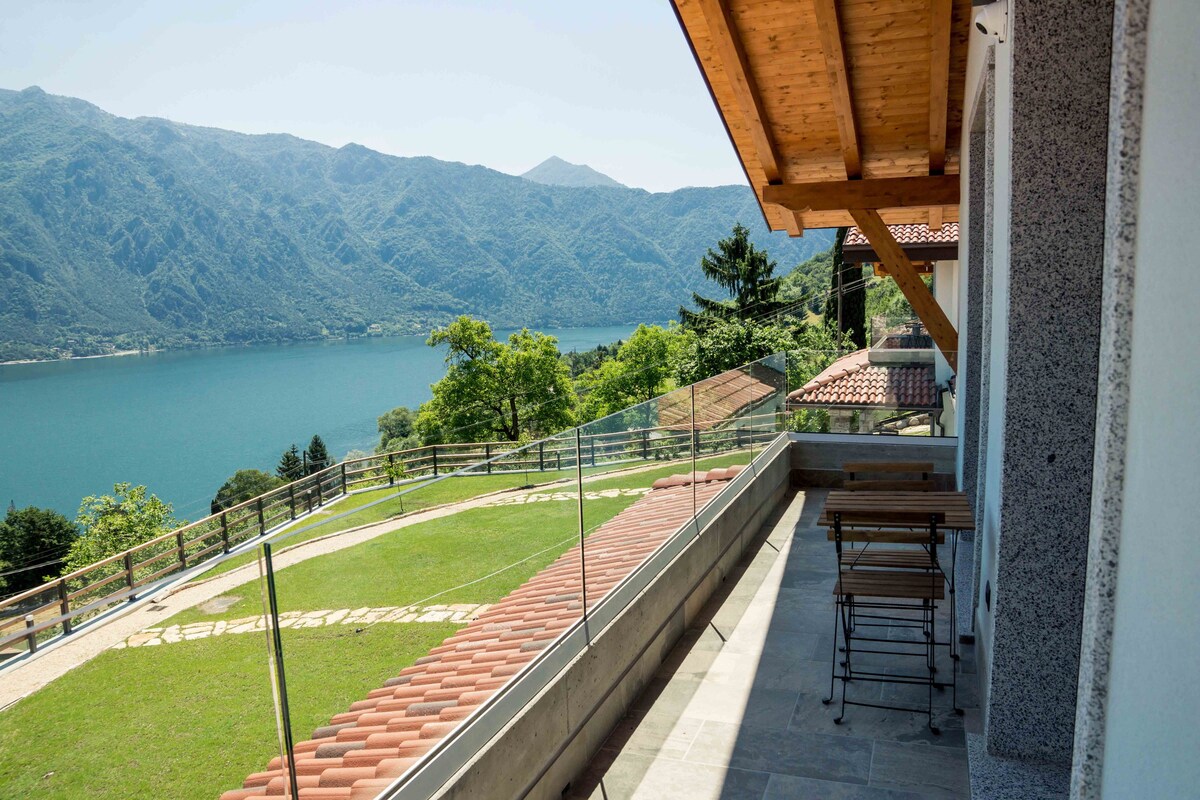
[735, 712]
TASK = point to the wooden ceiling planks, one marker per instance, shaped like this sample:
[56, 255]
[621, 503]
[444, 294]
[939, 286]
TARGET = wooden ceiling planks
[899, 108]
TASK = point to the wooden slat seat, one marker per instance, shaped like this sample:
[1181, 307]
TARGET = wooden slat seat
[886, 559]
[888, 485]
[906, 536]
[889, 584]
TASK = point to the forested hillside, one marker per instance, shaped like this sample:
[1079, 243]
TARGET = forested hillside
[126, 233]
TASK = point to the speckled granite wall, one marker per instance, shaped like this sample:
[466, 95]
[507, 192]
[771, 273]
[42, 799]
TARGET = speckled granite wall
[987, 166]
[969, 396]
[1060, 77]
[1112, 414]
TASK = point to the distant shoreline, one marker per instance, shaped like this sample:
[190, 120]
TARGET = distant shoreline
[74, 358]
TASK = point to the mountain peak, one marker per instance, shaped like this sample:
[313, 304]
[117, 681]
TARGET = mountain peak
[557, 172]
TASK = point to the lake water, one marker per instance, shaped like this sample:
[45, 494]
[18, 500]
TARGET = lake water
[182, 422]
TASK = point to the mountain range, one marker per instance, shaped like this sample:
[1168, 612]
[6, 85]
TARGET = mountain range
[556, 172]
[142, 232]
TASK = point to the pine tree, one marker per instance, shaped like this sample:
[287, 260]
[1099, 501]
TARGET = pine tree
[317, 455]
[853, 296]
[291, 467]
[746, 273]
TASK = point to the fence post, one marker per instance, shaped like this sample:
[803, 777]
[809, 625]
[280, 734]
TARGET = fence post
[182, 552]
[487, 457]
[592, 447]
[319, 479]
[558, 461]
[31, 636]
[391, 469]
[435, 460]
[224, 533]
[262, 521]
[345, 488]
[541, 456]
[129, 574]
[645, 445]
[292, 498]
[308, 500]
[64, 607]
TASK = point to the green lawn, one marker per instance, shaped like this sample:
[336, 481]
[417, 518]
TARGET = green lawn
[415, 562]
[454, 490]
[192, 719]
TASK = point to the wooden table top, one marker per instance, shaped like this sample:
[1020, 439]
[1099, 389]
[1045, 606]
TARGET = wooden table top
[953, 504]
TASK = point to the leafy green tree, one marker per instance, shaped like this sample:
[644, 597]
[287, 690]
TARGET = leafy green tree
[398, 430]
[117, 522]
[316, 455]
[641, 370]
[853, 296]
[726, 344]
[808, 283]
[291, 466]
[243, 485]
[514, 390]
[30, 537]
[746, 273]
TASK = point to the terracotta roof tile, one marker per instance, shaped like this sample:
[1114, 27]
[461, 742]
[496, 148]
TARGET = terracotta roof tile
[365, 748]
[852, 381]
[915, 233]
[718, 399]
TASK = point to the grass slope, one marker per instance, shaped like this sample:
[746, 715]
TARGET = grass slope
[188, 720]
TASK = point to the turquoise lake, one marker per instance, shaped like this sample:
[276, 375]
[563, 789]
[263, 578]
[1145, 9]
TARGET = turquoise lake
[182, 422]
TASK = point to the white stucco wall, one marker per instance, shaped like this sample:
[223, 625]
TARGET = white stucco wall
[1152, 728]
[997, 348]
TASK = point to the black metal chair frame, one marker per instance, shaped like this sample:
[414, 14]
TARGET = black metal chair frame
[852, 613]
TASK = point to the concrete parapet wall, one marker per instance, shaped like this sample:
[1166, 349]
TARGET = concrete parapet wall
[554, 738]
[817, 458]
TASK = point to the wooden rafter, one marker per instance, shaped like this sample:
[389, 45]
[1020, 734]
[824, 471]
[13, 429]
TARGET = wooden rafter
[874, 193]
[723, 30]
[724, 34]
[939, 83]
[830, 31]
[905, 274]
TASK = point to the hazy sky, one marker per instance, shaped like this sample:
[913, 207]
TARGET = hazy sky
[504, 84]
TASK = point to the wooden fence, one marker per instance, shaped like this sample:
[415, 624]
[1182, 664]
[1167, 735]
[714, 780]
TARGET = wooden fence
[56, 608]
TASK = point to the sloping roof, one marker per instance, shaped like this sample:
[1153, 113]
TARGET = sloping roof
[913, 233]
[833, 95]
[918, 240]
[853, 382]
[364, 749]
[719, 399]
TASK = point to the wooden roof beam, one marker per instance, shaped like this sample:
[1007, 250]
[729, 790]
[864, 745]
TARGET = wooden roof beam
[723, 31]
[905, 274]
[939, 83]
[830, 31]
[873, 193]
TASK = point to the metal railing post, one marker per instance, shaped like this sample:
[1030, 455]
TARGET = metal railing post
[64, 607]
[582, 551]
[285, 717]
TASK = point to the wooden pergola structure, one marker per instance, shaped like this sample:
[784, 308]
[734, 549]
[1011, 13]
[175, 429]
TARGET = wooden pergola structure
[843, 112]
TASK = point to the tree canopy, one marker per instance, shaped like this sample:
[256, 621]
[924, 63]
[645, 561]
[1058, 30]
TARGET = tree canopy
[511, 390]
[32, 541]
[746, 273]
[397, 430]
[291, 466]
[849, 279]
[317, 455]
[243, 485]
[117, 522]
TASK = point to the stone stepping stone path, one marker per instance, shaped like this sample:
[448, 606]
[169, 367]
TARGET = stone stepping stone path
[171, 634]
[542, 497]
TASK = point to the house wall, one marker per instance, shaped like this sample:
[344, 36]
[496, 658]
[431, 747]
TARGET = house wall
[1040, 364]
[1151, 739]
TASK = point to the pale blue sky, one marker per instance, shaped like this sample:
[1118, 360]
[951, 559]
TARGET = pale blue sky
[504, 84]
